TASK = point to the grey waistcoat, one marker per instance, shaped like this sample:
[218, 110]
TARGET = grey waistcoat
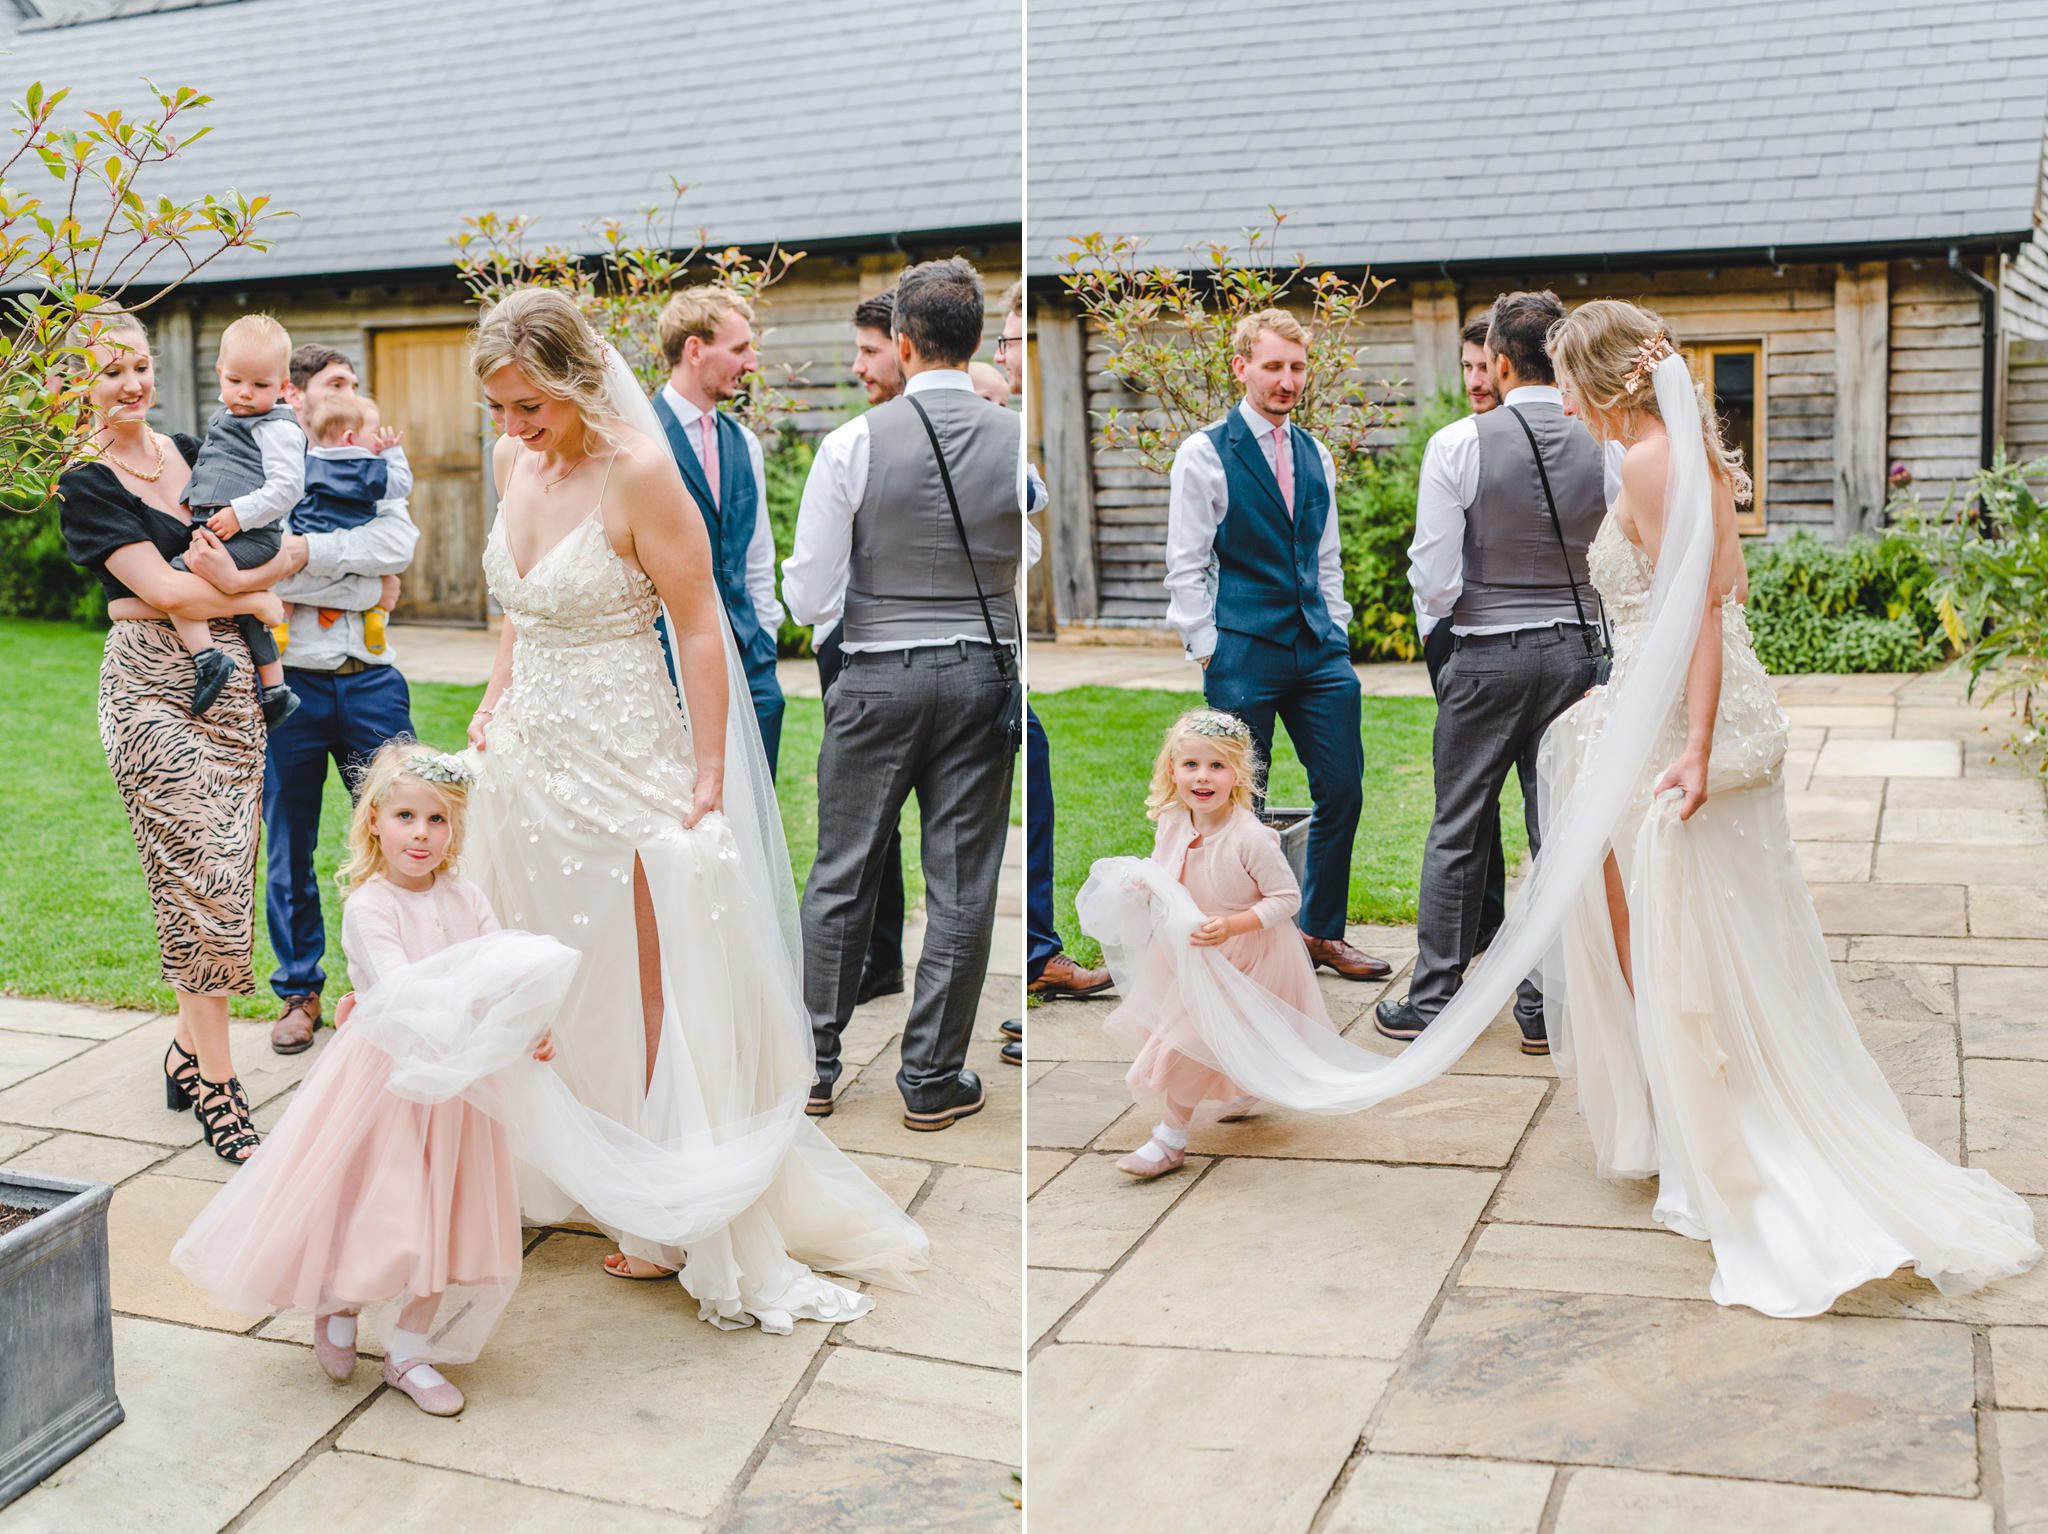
[1514, 572]
[230, 461]
[908, 578]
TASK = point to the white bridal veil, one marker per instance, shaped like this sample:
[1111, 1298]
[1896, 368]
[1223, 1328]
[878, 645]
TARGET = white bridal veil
[1142, 918]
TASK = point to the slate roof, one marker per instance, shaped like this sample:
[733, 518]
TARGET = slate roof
[1412, 132]
[384, 122]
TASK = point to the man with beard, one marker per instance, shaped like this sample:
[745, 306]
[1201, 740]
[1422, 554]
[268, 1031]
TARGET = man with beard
[1256, 590]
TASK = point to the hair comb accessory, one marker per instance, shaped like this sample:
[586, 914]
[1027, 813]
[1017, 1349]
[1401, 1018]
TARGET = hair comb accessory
[1214, 722]
[440, 767]
[1648, 355]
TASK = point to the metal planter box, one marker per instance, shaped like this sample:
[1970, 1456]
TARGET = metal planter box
[1293, 828]
[56, 1328]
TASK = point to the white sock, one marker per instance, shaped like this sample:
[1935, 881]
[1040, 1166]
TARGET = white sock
[425, 1376]
[1171, 1138]
[341, 1331]
[400, 1344]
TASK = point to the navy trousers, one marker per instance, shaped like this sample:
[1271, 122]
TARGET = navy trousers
[1308, 684]
[1041, 936]
[342, 720]
[763, 689]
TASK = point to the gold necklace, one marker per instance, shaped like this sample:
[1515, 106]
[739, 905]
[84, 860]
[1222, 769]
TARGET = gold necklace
[548, 484]
[147, 478]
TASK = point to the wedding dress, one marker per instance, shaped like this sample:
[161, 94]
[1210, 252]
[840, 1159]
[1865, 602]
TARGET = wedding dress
[586, 778]
[1735, 1073]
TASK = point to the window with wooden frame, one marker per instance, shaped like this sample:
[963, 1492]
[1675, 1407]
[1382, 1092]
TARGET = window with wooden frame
[1734, 374]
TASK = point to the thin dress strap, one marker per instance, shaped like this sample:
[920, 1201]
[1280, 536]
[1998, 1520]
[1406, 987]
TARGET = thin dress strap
[608, 473]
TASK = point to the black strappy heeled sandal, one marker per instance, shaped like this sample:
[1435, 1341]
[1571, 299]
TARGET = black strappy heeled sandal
[181, 1080]
[224, 1117]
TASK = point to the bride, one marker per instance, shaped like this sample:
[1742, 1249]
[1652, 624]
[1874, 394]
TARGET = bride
[1686, 981]
[646, 836]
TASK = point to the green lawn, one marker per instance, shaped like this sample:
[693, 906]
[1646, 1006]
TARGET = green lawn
[74, 915]
[1103, 741]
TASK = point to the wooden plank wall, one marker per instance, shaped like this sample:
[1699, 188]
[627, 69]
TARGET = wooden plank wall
[1937, 374]
[2026, 399]
[806, 320]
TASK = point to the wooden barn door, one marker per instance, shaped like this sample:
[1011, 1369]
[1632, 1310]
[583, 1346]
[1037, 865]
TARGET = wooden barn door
[423, 387]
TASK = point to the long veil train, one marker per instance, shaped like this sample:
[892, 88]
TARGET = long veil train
[1279, 1054]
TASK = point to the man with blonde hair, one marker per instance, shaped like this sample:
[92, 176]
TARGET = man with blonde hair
[1256, 590]
[707, 340]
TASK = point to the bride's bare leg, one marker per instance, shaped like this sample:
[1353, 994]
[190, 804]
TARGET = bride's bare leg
[647, 938]
[1617, 916]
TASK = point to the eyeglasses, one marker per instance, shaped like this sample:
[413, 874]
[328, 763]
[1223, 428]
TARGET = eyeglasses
[1002, 344]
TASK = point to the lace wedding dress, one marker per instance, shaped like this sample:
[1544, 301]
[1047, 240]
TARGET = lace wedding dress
[587, 776]
[1734, 1074]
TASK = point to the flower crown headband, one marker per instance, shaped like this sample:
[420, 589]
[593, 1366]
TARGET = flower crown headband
[439, 767]
[1219, 725]
[1648, 355]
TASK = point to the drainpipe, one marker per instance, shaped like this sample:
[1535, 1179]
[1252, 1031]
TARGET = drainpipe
[1988, 296]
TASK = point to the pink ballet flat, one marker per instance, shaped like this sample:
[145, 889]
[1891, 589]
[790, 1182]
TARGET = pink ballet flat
[338, 1360]
[1238, 1109]
[423, 1382]
[1152, 1159]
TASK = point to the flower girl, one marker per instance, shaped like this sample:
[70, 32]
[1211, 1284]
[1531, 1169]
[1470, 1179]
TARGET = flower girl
[1197, 930]
[388, 1185]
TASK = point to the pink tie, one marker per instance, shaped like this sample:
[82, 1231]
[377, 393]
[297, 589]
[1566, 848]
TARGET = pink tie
[708, 455]
[1283, 466]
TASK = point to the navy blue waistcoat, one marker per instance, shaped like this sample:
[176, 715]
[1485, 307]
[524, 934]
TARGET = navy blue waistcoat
[729, 520]
[1268, 580]
[340, 493]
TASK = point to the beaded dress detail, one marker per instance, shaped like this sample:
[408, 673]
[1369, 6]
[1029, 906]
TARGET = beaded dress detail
[587, 777]
[1731, 1070]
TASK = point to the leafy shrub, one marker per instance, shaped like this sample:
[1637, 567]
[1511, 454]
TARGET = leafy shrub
[786, 460]
[1376, 523]
[37, 577]
[1816, 606]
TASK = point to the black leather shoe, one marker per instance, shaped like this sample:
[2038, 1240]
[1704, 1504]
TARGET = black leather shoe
[1398, 1020]
[1013, 1052]
[1013, 1027]
[1536, 1042]
[964, 1099]
[819, 1104]
[212, 670]
[873, 985]
[279, 704]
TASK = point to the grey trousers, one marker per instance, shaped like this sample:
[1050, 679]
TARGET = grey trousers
[899, 722]
[1495, 697]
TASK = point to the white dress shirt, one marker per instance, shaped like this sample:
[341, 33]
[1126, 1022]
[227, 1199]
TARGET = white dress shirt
[761, 546]
[283, 446]
[820, 562]
[343, 570]
[1199, 498]
[1448, 486]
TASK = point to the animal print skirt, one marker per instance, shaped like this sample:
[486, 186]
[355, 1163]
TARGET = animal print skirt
[194, 792]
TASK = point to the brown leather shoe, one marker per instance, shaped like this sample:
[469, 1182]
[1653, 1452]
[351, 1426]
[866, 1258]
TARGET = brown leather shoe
[292, 1033]
[1063, 977]
[1345, 960]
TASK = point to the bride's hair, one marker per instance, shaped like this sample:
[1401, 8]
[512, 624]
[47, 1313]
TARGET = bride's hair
[1605, 350]
[1226, 735]
[395, 760]
[541, 332]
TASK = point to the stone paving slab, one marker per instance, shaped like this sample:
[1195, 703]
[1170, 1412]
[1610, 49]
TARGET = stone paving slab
[1445, 1496]
[1836, 862]
[1632, 1502]
[967, 1308]
[1920, 910]
[2005, 1123]
[1187, 1440]
[21, 1015]
[2008, 910]
[1452, 1121]
[1072, 1103]
[1234, 1267]
[824, 1484]
[1938, 862]
[89, 1158]
[2019, 1363]
[2004, 1011]
[2025, 952]
[23, 1055]
[1675, 1385]
[1050, 1293]
[917, 1403]
[341, 1493]
[144, 1222]
[2023, 1469]
[212, 1421]
[1092, 1214]
[1884, 757]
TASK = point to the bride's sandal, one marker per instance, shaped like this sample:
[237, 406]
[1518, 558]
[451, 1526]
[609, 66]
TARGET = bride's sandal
[223, 1116]
[181, 1078]
[619, 1265]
